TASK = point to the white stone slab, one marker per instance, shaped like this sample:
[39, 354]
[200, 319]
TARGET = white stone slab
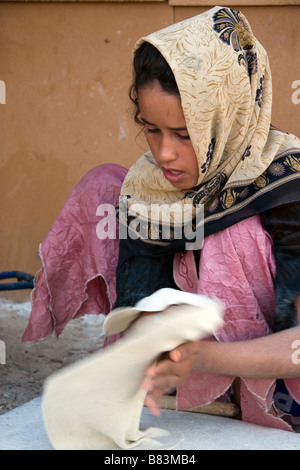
[23, 429]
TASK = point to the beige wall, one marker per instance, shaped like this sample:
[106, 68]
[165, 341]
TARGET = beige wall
[66, 69]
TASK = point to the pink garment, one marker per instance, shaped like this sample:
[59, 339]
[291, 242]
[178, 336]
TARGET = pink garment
[237, 266]
[79, 270]
[78, 276]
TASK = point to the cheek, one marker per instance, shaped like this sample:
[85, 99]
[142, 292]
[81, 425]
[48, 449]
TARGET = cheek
[151, 140]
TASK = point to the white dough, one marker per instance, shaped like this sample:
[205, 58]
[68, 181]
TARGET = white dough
[97, 403]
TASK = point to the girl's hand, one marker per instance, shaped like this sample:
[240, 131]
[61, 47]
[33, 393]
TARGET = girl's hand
[171, 371]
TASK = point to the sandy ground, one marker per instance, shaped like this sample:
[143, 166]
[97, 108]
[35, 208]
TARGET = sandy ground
[27, 365]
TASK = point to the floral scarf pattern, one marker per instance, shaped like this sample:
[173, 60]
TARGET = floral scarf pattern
[225, 86]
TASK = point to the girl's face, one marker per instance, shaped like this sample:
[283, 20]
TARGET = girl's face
[167, 136]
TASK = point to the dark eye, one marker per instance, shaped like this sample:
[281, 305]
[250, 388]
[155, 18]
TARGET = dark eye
[152, 131]
[184, 137]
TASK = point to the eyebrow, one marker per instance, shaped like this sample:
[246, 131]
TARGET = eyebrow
[171, 128]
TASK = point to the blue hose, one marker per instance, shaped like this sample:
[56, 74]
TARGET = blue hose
[24, 280]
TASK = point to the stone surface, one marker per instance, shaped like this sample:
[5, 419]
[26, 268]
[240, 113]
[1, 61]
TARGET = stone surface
[23, 429]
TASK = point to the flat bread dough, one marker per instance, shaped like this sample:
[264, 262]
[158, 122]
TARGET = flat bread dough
[97, 402]
[121, 318]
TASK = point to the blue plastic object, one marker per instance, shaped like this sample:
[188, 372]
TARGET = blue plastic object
[23, 280]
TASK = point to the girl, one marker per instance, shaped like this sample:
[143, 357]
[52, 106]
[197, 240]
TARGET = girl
[202, 91]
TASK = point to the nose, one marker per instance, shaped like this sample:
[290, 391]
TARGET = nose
[167, 151]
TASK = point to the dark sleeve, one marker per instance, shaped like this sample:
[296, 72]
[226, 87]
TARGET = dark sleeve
[140, 276]
[283, 223]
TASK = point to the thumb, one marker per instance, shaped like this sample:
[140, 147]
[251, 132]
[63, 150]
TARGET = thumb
[184, 351]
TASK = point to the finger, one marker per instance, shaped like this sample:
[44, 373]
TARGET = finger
[147, 385]
[184, 351]
[162, 384]
[150, 372]
[153, 399]
[152, 405]
[175, 355]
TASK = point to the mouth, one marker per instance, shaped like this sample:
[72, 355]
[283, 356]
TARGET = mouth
[173, 175]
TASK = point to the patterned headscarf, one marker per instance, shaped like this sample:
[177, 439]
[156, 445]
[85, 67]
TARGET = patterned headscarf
[224, 79]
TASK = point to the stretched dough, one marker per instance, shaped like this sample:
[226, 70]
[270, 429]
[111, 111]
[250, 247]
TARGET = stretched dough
[97, 403]
[121, 318]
